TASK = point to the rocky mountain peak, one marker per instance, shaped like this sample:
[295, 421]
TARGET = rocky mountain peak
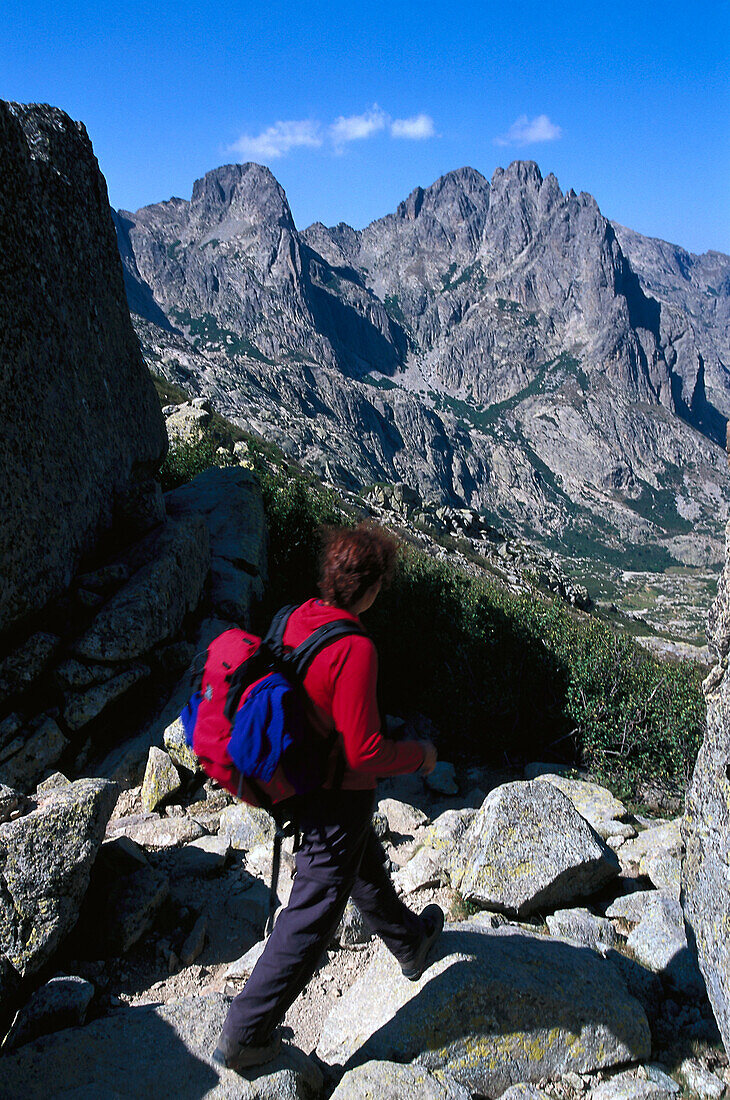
[238, 197]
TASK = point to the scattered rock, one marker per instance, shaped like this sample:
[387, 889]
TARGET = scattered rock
[527, 849]
[61, 1002]
[402, 819]
[425, 869]
[10, 727]
[161, 779]
[632, 908]
[700, 1081]
[643, 984]
[152, 831]
[187, 423]
[195, 941]
[10, 801]
[77, 674]
[105, 579]
[442, 779]
[599, 807]
[9, 986]
[629, 1086]
[230, 502]
[494, 1009]
[659, 942]
[391, 1081]
[45, 863]
[151, 606]
[53, 783]
[202, 858]
[81, 707]
[662, 839]
[121, 907]
[352, 930]
[243, 967]
[246, 826]
[663, 869]
[523, 1092]
[178, 748]
[171, 1044]
[583, 927]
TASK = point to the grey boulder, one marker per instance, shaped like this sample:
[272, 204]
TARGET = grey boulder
[528, 848]
[62, 1002]
[659, 942]
[45, 864]
[582, 926]
[598, 806]
[246, 827]
[178, 748]
[494, 1008]
[137, 1052]
[392, 1081]
[161, 779]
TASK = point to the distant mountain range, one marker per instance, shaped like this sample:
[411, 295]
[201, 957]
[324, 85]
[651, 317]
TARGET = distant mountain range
[499, 344]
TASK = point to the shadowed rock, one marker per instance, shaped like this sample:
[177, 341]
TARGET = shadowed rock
[494, 1008]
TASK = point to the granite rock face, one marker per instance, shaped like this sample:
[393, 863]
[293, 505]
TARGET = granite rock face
[706, 827]
[80, 423]
[481, 333]
[493, 1009]
[45, 863]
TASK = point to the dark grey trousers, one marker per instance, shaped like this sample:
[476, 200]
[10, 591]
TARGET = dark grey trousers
[339, 857]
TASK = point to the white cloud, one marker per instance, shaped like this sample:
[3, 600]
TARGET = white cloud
[278, 139]
[416, 128]
[525, 131]
[357, 127]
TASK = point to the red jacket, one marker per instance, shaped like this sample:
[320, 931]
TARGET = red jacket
[341, 686]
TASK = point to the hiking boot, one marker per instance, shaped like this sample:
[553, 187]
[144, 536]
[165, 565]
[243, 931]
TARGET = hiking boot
[231, 1054]
[433, 917]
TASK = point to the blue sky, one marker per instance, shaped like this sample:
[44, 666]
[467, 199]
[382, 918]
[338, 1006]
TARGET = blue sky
[354, 106]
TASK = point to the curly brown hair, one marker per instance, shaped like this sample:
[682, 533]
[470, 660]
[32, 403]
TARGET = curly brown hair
[353, 559]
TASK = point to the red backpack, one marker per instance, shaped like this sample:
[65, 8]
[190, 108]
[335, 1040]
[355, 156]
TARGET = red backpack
[247, 721]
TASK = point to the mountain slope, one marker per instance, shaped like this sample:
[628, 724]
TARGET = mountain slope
[494, 342]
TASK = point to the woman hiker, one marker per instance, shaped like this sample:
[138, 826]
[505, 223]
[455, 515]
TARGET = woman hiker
[339, 855]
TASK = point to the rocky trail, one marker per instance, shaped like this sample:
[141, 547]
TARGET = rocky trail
[564, 958]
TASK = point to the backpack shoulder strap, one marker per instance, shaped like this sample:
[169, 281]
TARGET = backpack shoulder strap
[299, 660]
[274, 640]
[295, 662]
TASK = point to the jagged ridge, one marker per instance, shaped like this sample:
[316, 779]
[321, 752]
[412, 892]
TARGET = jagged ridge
[489, 342]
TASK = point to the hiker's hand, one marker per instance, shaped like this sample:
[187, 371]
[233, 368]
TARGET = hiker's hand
[429, 759]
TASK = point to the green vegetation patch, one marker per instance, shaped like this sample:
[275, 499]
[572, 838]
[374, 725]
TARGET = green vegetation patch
[207, 330]
[393, 308]
[380, 382]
